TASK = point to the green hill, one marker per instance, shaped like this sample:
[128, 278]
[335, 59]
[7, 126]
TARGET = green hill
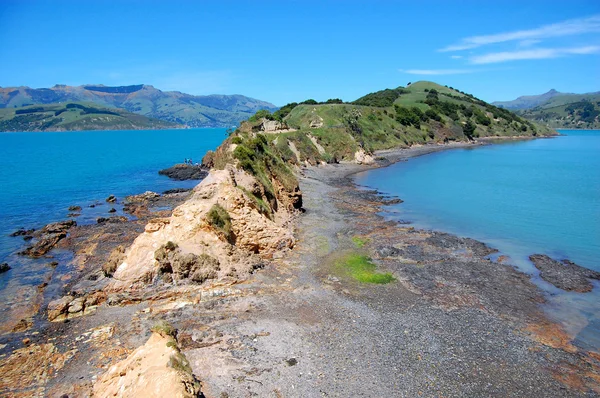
[170, 106]
[75, 116]
[421, 113]
[558, 110]
[580, 114]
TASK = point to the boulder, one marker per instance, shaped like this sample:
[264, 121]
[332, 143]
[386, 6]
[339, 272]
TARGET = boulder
[74, 208]
[111, 199]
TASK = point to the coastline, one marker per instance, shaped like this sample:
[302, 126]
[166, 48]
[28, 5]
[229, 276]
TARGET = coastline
[296, 327]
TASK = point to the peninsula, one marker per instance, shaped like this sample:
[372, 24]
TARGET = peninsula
[276, 276]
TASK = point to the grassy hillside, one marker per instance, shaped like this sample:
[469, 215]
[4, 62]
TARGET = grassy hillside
[421, 113]
[74, 116]
[583, 114]
[550, 99]
[171, 106]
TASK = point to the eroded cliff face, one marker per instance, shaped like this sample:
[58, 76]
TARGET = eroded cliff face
[190, 242]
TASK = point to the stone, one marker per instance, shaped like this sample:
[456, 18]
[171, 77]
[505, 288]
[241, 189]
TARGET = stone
[112, 210]
[74, 208]
[111, 199]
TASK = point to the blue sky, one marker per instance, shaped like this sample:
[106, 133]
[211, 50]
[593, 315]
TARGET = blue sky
[293, 50]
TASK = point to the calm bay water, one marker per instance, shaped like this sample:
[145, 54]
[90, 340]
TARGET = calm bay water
[539, 196]
[42, 174]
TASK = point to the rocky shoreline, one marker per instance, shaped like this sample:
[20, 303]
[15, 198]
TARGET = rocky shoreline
[453, 323]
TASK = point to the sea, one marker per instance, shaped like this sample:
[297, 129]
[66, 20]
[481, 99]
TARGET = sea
[42, 174]
[520, 197]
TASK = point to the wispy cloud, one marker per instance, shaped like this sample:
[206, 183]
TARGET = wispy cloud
[540, 53]
[433, 72]
[456, 56]
[528, 42]
[565, 28]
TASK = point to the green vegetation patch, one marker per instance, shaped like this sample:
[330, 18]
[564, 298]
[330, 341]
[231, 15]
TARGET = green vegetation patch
[219, 218]
[360, 241]
[164, 329]
[362, 269]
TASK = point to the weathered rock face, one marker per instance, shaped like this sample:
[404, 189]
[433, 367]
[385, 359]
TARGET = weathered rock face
[363, 158]
[182, 171]
[156, 369]
[565, 275]
[254, 235]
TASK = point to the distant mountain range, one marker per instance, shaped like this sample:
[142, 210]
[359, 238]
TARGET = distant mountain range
[72, 116]
[558, 110]
[170, 106]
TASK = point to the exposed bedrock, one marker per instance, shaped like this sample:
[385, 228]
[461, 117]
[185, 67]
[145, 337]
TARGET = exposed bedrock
[565, 274]
[182, 171]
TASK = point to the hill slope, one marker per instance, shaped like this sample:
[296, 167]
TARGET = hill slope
[171, 106]
[75, 116]
[528, 101]
[583, 114]
[550, 99]
[419, 114]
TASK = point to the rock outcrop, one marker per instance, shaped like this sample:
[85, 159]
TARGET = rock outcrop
[156, 369]
[183, 171]
[565, 275]
[253, 235]
[68, 307]
[48, 237]
[361, 157]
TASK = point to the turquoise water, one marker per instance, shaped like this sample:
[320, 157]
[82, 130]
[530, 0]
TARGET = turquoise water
[538, 196]
[45, 173]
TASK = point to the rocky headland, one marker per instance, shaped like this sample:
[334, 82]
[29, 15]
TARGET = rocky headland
[276, 276]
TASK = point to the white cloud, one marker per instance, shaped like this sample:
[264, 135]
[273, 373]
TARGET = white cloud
[437, 71]
[540, 53]
[565, 28]
[456, 56]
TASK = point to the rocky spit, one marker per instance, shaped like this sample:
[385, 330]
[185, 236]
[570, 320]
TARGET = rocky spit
[276, 318]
